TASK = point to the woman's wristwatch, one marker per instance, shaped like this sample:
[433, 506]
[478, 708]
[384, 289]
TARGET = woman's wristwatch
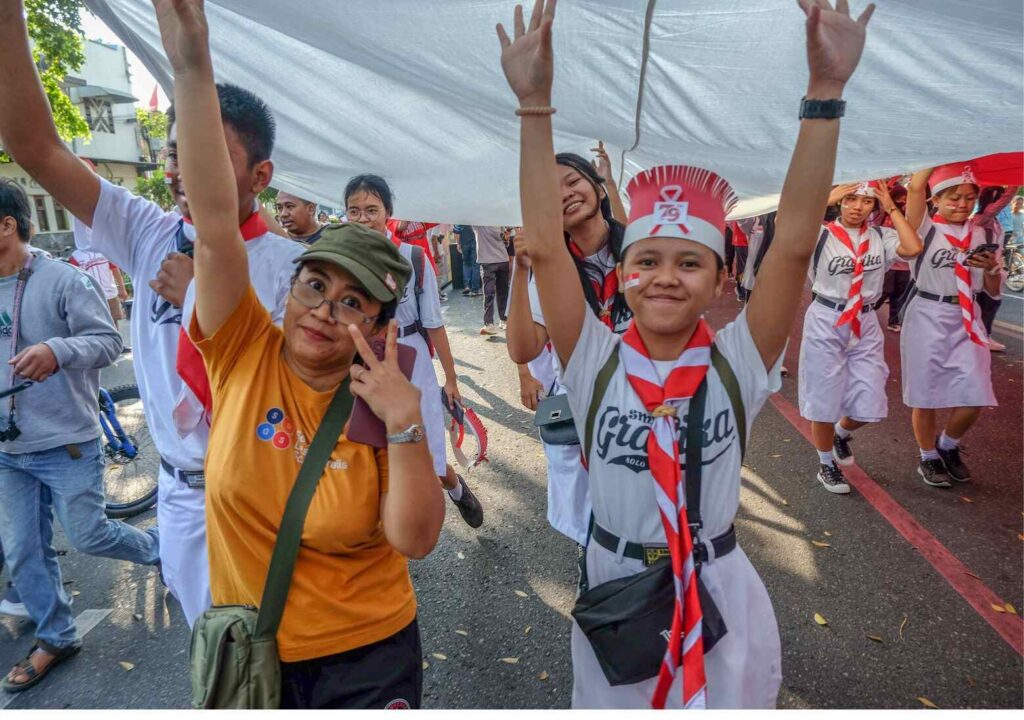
[412, 434]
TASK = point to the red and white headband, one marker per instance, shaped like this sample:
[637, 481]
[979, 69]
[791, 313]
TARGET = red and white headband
[947, 176]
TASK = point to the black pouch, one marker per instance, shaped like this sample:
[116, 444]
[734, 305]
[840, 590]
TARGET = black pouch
[555, 422]
[627, 622]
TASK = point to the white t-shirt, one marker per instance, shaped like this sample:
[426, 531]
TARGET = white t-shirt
[834, 271]
[933, 270]
[98, 268]
[429, 312]
[621, 486]
[137, 235]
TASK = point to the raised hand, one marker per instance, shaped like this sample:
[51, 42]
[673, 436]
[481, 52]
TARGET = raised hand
[184, 32]
[884, 198]
[602, 165]
[835, 42]
[841, 191]
[527, 59]
[390, 395]
[522, 254]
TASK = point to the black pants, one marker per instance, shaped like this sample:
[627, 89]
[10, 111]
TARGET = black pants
[385, 675]
[496, 279]
[894, 289]
[989, 308]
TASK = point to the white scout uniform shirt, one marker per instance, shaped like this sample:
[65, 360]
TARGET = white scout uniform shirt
[836, 378]
[568, 499]
[744, 669]
[137, 235]
[942, 367]
[423, 375]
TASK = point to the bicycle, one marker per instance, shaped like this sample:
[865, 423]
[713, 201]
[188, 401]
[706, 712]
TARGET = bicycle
[1013, 261]
[131, 461]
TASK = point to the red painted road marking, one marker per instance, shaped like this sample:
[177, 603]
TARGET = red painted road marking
[1009, 626]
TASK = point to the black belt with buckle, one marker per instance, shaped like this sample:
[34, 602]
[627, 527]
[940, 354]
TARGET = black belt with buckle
[650, 554]
[948, 299]
[410, 329]
[192, 478]
[840, 306]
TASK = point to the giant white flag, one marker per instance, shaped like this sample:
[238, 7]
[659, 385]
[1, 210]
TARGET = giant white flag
[413, 90]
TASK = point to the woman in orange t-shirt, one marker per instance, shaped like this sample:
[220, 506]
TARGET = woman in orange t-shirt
[348, 637]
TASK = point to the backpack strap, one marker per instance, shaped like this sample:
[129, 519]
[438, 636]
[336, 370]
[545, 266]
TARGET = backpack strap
[419, 260]
[819, 248]
[924, 250]
[289, 535]
[604, 377]
[693, 452]
[732, 389]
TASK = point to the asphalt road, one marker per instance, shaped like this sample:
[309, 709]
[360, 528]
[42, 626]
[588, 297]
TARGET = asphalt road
[494, 602]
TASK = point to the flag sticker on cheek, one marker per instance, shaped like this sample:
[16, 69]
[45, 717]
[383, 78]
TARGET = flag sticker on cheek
[632, 280]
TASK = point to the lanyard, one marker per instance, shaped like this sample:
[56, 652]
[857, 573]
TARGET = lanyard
[19, 293]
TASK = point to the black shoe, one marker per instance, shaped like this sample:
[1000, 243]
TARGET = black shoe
[832, 478]
[469, 507]
[841, 449]
[933, 472]
[954, 465]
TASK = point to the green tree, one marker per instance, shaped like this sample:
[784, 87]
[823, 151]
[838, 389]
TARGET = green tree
[153, 123]
[55, 28]
[155, 188]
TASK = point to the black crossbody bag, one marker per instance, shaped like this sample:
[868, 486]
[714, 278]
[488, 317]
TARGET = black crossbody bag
[627, 620]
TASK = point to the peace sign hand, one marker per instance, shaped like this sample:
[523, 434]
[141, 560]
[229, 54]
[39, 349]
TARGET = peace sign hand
[527, 60]
[835, 42]
[381, 383]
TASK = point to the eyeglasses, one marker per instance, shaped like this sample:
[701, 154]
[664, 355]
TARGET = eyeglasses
[370, 213]
[309, 297]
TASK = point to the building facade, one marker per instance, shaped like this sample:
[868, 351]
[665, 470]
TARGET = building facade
[118, 148]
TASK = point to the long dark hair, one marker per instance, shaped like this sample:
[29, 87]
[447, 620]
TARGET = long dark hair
[588, 272]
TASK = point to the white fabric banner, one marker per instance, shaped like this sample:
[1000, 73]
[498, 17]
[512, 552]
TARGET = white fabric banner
[413, 90]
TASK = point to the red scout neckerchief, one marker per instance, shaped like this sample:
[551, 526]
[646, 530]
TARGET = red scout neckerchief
[855, 300]
[666, 402]
[189, 363]
[964, 292]
[605, 290]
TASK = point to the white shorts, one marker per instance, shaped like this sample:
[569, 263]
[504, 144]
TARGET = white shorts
[837, 380]
[181, 517]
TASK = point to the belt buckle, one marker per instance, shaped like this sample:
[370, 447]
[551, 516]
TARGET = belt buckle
[654, 553]
[194, 479]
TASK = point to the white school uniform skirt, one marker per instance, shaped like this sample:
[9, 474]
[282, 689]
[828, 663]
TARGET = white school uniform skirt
[424, 378]
[837, 380]
[743, 669]
[942, 368]
[181, 517]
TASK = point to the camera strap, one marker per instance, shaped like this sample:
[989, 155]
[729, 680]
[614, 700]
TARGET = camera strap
[19, 293]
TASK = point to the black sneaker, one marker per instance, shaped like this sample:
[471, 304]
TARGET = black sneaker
[954, 465]
[832, 478]
[841, 449]
[933, 472]
[469, 507]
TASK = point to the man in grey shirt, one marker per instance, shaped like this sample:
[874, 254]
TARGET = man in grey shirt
[492, 255]
[55, 331]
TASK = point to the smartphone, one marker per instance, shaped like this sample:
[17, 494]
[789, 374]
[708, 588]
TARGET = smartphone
[365, 427]
[984, 248]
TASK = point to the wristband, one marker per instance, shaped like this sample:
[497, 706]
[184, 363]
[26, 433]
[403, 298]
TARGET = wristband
[822, 109]
[535, 110]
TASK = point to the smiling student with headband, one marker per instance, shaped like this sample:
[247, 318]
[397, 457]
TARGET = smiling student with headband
[658, 374]
[842, 352]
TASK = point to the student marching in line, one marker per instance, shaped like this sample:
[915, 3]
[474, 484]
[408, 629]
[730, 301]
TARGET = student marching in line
[368, 201]
[944, 347]
[637, 397]
[842, 352]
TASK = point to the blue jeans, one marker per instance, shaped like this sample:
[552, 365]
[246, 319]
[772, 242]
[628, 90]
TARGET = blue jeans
[470, 268]
[34, 486]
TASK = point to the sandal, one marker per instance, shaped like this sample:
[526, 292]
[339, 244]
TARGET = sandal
[25, 667]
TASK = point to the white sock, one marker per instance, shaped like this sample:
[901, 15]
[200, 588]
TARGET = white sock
[929, 454]
[948, 443]
[842, 432]
[826, 458]
[456, 493]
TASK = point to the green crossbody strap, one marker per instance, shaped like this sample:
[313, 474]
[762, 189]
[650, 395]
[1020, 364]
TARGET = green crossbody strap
[732, 388]
[289, 536]
[600, 388]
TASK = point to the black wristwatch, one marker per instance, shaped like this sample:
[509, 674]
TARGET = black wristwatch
[822, 109]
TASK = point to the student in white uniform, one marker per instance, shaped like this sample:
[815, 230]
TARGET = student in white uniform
[138, 236]
[944, 347]
[369, 201]
[842, 352]
[594, 239]
[671, 270]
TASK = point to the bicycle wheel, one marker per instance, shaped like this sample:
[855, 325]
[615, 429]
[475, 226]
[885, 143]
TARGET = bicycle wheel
[130, 483]
[1015, 276]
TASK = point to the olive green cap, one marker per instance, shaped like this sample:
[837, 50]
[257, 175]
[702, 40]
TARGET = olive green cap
[369, 256]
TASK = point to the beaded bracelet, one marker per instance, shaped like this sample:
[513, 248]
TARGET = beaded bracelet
[535, 110]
